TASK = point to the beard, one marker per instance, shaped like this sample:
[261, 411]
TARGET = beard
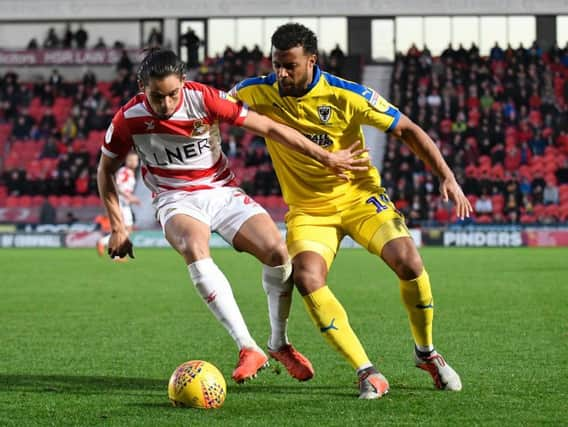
[294, 89]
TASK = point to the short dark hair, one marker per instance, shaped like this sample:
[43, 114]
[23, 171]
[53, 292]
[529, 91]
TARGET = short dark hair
[293, 34]
[160, 63]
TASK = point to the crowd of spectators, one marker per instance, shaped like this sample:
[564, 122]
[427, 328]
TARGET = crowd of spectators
[501, 123]
[51, 131]
[79, 39]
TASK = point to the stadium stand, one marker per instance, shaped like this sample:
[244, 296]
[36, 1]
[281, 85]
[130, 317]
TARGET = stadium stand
[500, 121]
[51, 133]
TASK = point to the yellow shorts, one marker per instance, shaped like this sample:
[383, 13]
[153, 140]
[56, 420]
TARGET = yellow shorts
[372, 221]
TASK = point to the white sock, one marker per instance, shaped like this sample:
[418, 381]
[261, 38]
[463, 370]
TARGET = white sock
[278, 286]
[216, 292]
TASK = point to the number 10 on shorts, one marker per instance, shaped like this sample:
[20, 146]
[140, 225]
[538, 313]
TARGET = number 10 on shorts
[381, 203]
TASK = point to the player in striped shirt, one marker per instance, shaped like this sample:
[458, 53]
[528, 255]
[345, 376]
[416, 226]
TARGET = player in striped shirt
[173, 126]
[125, 179]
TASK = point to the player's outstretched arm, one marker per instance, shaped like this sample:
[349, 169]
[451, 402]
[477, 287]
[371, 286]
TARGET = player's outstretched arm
[339, 162]
[119, 244]
[421, 145]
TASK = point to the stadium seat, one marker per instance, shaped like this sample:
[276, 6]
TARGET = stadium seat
[37, 201]
[527, 219]
[261, 200]
[484, 219]
[539, 210]
[78, 201]
[498, 202]
[12, 202]
[93, 201]
[53, 199]
[24, 201]
[64, 201]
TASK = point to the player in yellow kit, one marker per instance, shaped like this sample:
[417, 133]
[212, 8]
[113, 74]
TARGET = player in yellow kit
[324, 208]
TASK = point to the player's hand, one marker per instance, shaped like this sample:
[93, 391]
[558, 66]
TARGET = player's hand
[348, 159]
[451, 190]
[119, 245]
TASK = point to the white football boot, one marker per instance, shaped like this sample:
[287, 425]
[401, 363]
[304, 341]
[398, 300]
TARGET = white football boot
[445, 378]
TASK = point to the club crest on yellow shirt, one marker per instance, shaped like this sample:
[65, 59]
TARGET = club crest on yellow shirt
[324, 112]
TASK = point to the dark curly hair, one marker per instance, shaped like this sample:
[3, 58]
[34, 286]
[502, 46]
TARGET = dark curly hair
[291, 35]
[160, 63]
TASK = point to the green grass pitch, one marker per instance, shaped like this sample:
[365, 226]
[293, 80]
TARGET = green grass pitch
[84, 341]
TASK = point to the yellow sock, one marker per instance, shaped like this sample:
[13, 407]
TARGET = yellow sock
[417, 297]
[330, 317]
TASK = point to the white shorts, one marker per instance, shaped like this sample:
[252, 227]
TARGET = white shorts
[127, 216]
[224, 209]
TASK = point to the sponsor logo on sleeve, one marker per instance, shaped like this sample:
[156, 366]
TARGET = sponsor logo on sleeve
[380, 103]
[108, 135]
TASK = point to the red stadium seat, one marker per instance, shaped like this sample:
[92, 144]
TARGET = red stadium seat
[553, 210]
[78, 201]
[275, 202]
[53, 199]
[65, 201]
[528, 219]
[472, 199]
[498, 202]
[24, 201]
[93, 201]
[37, 201]
[484, 219]
[261, 200]
[12, 202]
[539, 210]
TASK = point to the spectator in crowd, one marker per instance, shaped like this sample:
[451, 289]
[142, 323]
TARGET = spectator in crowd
[100, 44]
[155, 39]
[191, 42]
[47, 213]
[82, 182]
[550, 194]
[22, 128]
[562, 173]
[537, 143]
[49, 150]
[55, 80]
[51, 40]
[89, 79]
[47, 122]
[71, 218]
[81, 37]
[33, 44]
[124, 64]
[497, 53]
[483, 205]
[68, 37]
[48, 96]
[336, 60]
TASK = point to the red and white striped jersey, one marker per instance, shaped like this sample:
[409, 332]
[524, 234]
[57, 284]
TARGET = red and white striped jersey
[182, 152]
[125, 182]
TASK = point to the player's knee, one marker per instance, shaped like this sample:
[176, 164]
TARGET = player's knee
[308, 280]
[191, 250]
[275, 253]
[408, 266]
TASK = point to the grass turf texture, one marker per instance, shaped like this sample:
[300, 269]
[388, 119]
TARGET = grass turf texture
[84, 341]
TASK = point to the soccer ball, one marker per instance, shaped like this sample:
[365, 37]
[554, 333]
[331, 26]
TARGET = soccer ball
[197, 384]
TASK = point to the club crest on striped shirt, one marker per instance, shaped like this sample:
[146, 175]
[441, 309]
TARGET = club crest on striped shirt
[199, 128]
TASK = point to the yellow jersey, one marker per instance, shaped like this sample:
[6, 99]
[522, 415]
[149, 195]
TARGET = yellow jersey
[330, 114]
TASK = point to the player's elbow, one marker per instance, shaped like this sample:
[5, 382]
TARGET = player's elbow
[407, 130]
